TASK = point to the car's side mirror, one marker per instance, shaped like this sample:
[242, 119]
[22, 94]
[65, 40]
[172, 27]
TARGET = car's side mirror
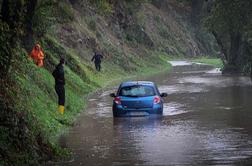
[112, 95]
[163, 94]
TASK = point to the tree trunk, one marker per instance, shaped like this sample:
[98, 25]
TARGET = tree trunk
[5, 11]
[31, 6]
[196, 11]
[222, 47]
[18, 16]
[28, 38]
[234, 48]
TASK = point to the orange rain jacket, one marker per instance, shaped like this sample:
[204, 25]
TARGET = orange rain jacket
[37, 55]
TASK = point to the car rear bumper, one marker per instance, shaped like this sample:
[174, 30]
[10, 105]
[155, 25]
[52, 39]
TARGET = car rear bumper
[118, 110]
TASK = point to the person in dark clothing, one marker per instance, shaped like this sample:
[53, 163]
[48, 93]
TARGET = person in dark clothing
[59, 77]
[97, 60]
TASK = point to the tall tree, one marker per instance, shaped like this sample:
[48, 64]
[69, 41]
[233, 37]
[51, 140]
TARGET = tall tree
[15, 20]
[227, 22]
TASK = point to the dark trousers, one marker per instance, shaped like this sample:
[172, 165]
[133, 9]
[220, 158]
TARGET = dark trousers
[60, 90]
[98, 66]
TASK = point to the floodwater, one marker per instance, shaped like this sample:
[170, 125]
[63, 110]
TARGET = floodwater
[207, 121]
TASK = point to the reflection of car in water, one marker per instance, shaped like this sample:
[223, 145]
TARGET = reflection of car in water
[137, 98]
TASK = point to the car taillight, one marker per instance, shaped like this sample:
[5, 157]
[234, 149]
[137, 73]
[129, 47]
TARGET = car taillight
[117, 100]
[156, 100]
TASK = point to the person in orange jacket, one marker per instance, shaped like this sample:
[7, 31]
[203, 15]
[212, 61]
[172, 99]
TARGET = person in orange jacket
[37, 55]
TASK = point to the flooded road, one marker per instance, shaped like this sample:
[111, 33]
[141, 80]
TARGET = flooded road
[207, 121]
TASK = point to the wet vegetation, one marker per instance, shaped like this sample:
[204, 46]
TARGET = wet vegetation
[216, 62]
[229, 22]
[136, 38]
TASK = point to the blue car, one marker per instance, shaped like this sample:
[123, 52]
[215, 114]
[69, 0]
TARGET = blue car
[137, 98]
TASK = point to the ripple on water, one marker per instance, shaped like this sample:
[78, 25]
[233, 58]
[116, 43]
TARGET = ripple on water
[180, 63]
[106, 93]
[92, 100]
[173, 108]
[197, 80]
[214, 71]
[224, 108]
[227, 145]
[182, 88]
[216, 81]
[104, 109]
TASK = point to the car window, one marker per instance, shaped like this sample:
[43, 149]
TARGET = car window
[137, 91]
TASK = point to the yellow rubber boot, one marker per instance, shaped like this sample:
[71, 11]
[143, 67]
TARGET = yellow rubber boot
[61, 109]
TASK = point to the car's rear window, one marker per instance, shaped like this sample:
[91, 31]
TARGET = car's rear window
[137, 91]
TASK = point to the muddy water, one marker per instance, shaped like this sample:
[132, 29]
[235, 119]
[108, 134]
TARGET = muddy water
[207, 121]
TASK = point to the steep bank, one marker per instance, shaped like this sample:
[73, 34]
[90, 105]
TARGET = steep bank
[135, 38]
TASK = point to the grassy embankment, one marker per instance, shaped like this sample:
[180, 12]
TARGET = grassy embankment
[212, 61]
[216, 62]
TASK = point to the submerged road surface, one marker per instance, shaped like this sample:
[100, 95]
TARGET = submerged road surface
[207, 121]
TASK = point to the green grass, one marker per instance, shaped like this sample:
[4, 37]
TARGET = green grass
[216, 62]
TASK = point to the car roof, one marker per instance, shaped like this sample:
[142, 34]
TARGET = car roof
[132, 83]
